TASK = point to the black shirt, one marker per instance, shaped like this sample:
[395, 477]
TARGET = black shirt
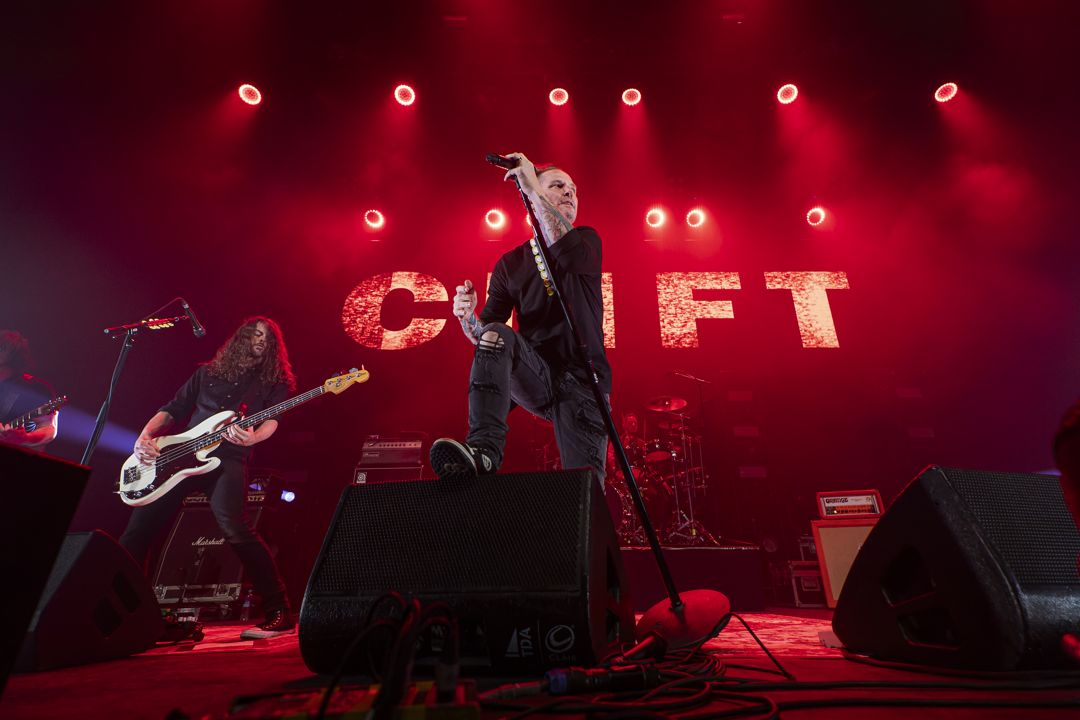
[516, 285]
[20, 394]
[205, 394]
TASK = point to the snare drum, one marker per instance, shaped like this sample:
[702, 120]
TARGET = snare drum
[658, 450]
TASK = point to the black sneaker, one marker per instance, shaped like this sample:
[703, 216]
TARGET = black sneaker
[277, 622]
[452, 460]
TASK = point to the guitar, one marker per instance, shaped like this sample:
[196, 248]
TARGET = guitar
[187, 453]
[27, 421]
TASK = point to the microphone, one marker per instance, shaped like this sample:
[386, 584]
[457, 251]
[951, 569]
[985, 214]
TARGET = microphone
[196, 326]
[501, 161]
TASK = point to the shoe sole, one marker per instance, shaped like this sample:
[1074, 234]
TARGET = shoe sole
[452, 461]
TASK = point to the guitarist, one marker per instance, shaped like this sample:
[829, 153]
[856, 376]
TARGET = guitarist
[251, 369]
[20, 393]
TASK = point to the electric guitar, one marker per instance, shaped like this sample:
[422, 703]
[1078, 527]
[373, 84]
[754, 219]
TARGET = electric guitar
[27, 421]
[188, 453]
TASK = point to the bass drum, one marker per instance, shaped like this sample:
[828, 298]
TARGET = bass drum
[621, 508]
[659, 501]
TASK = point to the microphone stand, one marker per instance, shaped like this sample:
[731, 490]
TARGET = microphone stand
[683, 620]
[129, 331]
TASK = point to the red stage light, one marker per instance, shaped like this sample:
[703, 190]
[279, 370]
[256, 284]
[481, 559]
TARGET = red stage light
[558, 96]
[631, 96]
[946, 92]
[695, 218]
[374, 219]
[250, 94]
[815, 216]
[495, 219]
[405, 95]
[655, 217]
[787, 94]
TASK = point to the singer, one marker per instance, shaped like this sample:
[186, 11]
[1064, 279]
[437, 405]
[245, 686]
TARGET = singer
[251, 369]
[537, 366]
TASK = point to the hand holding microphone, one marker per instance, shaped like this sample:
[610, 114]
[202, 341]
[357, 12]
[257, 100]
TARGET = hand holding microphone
[518, 168]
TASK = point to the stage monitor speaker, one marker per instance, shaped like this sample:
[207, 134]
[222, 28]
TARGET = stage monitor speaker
[31, 531]
[528, 563]
[96, 606]
[967, 569]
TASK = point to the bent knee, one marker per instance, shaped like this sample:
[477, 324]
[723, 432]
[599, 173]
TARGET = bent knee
[495, 335]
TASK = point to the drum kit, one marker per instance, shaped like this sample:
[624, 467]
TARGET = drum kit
[668, 471]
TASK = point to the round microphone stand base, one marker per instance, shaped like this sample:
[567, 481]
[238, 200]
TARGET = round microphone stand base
[703, 614]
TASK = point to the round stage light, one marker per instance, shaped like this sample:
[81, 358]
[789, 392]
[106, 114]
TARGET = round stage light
[558, 96]
[946, 92]
[815, 216]
[374, 219]
[287, 496]
[250, 94]
[695, 218]
[655, 217]
[405, 95]
[631, 96]
[787, 94]
[495, 219]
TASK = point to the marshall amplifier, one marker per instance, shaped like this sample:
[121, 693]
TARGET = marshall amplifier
[196, 567]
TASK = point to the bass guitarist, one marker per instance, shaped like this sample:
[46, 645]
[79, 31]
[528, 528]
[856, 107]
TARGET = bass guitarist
[251, 370]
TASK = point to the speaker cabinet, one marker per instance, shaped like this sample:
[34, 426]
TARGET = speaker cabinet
[967, 569]
[96, 606]
[31, 533]
[838, 543]
[197, 566]
[528, 563]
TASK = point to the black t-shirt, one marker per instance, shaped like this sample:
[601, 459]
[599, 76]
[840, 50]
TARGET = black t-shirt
[205, 394]
[516, 285]
[20, 394]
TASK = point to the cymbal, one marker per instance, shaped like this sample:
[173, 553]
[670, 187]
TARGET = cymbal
[665, 403]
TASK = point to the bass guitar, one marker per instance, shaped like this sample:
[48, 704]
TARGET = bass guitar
[27, 421]
[188, 453]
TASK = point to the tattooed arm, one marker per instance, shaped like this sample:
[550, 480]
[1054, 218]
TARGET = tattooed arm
[553, 196]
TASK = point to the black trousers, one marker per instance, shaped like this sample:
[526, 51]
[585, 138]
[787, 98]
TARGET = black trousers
[512, 371]
[226, 487]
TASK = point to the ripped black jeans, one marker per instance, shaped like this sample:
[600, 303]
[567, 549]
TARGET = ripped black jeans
[510, 369]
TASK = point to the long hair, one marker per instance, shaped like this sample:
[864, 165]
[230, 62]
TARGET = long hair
[228, 363]
[19, 359]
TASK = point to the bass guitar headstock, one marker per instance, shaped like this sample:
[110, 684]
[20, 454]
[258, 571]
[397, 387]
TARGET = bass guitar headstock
[339, 383]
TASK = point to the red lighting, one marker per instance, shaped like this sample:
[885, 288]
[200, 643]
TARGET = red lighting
[946, 92]
[374, 219]
[787, 94]
[655, 217]
[405, 95]
[558, 96]
[815, 216]
[631, 96]
[695, 218]
[250, 94]
[495, 219]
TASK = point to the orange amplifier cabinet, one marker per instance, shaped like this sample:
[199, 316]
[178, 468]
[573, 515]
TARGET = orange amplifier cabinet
[838, 542]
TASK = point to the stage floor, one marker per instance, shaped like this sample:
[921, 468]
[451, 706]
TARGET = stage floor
[200, 680]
